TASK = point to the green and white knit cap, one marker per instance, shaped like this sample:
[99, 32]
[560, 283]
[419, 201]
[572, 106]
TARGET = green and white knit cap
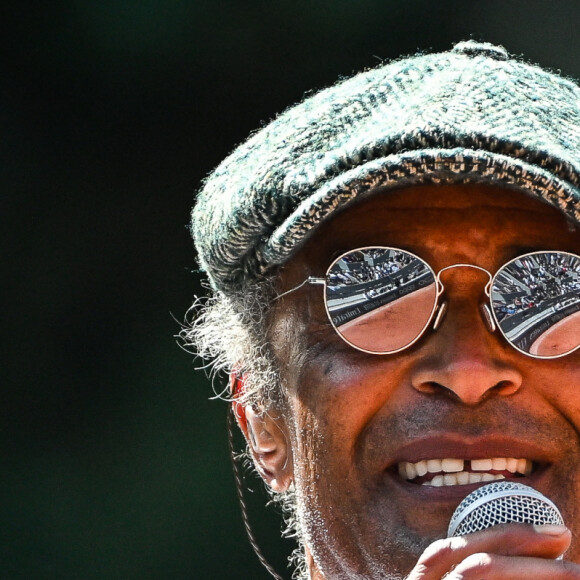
[469, 115]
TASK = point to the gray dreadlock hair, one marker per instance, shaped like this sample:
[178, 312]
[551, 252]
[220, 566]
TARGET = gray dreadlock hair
[230, 332]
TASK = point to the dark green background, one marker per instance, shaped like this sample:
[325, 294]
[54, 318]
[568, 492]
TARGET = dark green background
[113, 461]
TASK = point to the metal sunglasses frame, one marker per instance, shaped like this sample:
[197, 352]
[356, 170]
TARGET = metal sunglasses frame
[439, 307]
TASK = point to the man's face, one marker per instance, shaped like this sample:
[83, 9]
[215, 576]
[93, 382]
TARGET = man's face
[461, 392]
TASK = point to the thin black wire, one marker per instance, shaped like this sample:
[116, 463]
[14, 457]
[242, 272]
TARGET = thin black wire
[240, 492]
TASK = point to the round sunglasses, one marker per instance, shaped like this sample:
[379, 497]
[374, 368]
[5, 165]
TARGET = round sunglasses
[381, 300]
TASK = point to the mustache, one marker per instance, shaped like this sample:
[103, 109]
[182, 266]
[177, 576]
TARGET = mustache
[495, 416]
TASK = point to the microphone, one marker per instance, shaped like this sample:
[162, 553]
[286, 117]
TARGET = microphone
[502, 502]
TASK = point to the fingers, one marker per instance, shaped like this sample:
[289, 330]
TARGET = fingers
[498, 548]
[493, 567]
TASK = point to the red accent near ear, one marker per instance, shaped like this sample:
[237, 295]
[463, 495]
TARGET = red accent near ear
[236, 384]
[237, 389]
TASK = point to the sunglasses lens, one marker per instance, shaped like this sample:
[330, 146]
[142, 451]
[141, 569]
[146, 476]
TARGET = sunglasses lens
[380, 300]
[536, 302]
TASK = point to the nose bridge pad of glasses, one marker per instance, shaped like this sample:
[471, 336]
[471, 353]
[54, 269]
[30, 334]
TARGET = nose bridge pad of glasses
[442, 308]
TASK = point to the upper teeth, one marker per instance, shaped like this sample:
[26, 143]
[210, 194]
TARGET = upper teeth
[455, 473]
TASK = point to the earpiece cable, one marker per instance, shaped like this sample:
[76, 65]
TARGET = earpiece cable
[240, 492]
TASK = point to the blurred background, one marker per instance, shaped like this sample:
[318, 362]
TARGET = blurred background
[114, 460]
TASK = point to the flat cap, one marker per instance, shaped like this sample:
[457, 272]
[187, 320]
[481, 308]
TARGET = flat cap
[472, 114]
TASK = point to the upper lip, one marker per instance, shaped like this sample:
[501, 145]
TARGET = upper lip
[461, 447]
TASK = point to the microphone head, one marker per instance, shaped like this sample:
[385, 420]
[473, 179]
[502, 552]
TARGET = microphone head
[502, 502]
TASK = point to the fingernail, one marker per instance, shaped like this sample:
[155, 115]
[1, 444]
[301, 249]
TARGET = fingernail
[550, 529]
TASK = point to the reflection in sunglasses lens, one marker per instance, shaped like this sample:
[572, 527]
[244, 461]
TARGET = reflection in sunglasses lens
[380, 299]
[536, 300]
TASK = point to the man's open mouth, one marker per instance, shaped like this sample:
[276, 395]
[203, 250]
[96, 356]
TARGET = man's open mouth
[444, 472]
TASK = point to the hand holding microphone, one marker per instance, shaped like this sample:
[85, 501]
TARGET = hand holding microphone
[479, 545]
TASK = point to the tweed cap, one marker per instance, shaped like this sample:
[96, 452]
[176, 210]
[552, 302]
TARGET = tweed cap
[472, 114]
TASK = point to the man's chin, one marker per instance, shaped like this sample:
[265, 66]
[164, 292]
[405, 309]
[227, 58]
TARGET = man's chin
[392, 554]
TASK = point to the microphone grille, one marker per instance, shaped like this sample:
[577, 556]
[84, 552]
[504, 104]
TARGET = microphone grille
[502, 502]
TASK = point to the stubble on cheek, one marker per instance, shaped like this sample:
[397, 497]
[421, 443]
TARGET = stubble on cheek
[308, 442]
[329, 517]
[345, 521]
[319, 511]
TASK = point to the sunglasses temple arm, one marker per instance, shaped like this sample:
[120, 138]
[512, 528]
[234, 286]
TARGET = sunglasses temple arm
[309, 280]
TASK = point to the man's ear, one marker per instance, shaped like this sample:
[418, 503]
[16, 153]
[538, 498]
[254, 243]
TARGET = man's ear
[269, 445]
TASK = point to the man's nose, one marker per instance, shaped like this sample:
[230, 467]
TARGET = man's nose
[464, 359]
